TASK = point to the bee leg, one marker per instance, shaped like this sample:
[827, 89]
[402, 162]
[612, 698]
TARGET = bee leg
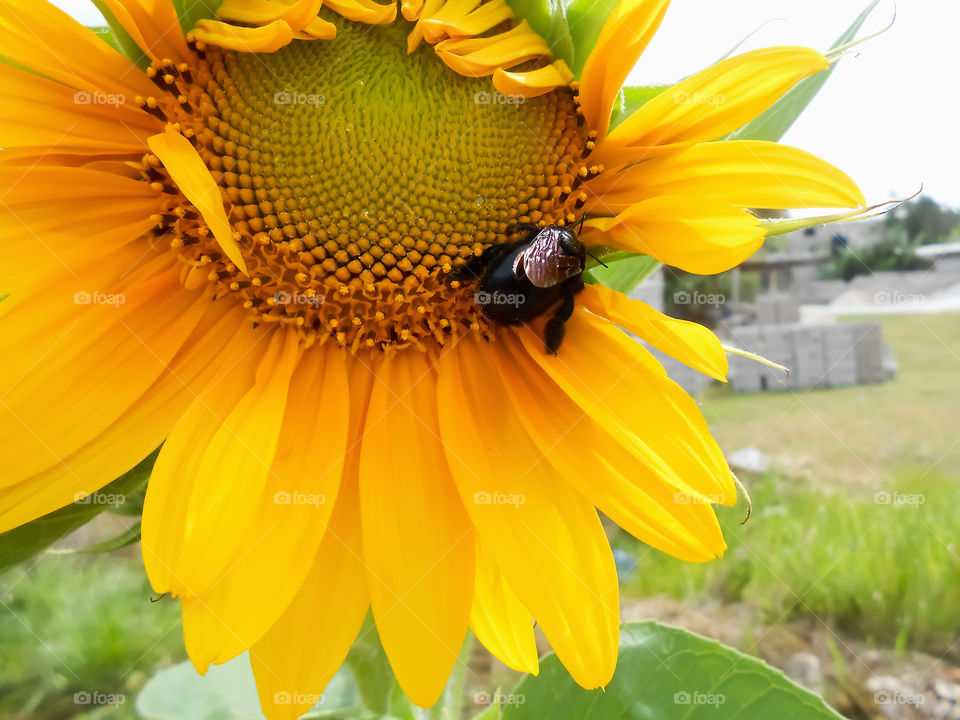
[555, 329]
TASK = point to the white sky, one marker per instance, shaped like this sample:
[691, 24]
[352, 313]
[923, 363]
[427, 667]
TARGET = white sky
[889, 116]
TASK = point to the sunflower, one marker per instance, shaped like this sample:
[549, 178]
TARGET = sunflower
[241, 247]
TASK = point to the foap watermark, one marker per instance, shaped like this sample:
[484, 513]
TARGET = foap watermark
[898, 499]
[485, 698]
[82, 97]
[698, 698]
[698, 298]
[885, 297]
[99, 698]
[286, 97]
[499, 298]
[482, 97]
[699, 98]
[484, 497]
[895, 697]
[99, 498]
[84, 297]
[296, 497]
[681, 498]
[282, 697]
[297, 298]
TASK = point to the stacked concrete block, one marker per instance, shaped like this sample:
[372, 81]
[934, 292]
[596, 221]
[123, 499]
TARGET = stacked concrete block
[817, 356]
[841, 360]
[868, 350]
[776, 309]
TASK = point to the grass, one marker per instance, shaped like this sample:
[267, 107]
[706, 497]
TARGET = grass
[883, 570]
[819, 543]
[71, 625]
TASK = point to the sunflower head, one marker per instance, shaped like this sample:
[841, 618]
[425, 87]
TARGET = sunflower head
[285, 198]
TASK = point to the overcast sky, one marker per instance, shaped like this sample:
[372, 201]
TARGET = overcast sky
[889, 116]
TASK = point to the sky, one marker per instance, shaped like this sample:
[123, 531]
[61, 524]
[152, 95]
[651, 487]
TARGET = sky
[890, 114]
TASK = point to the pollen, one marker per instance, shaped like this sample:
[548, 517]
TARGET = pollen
[355, 176]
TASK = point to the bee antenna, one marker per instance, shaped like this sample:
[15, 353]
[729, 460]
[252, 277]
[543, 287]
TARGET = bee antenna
[597, 259]
[583, 219]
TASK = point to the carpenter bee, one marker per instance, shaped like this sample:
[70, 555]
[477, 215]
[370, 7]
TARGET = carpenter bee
[520, 281]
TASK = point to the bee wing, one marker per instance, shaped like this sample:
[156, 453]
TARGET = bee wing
[545, 263]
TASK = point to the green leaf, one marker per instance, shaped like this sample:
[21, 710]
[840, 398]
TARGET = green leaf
[666, 672]
[774, 123]
[632, 99]
[229, 692]
[625, 274]
[570, 27]
[34, 537]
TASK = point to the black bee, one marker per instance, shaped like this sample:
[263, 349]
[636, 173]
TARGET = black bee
[520, 281]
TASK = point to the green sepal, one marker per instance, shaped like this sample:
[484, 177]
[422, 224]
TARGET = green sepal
[570, 27]
[119, 38]
[127, 537]
[34, 537]
[190, 11]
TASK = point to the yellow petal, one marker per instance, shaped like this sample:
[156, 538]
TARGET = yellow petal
[710, 104]
[291, 517]
[625, 35]
[265, 39]
[174, 475]
[364, 11]
[479, 20]
[153, 25]
[90, 65]
[58, 122]
[689, 342]
[418, 541]
[261, 12]
[618, 383]
[187, 170]
[233, 473]
[476, 57]
[689, 232]
[614, 476]
[534, 82]
[545, 538]
[746, 173]
[303, 650]
[499, 619]
[131, 438]
[117, 346]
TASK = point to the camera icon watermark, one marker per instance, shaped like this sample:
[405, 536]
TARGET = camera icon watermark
[99, 498]
[296, 497]
[485, 698]
[683, 297]
[499, 298]
[698, 698]
[284, 697]
[895, 697]
[82, 97]
[99, 698]
[85, 297]
[305, 299]
[286, 97]
[699, 98]
[483, 97]
[898, 499]
[486, 497]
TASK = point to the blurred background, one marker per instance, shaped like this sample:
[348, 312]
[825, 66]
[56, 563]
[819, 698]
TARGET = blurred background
[847, 575]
